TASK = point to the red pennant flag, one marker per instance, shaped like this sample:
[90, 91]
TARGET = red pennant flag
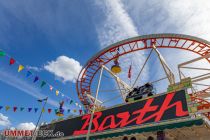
[80, 111]
[129, 72]
[49, 110]
[14, 108]
[12, 61]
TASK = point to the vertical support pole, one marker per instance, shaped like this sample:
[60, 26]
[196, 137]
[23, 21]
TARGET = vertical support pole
[92, 113]
[121, 92]
[34, 133]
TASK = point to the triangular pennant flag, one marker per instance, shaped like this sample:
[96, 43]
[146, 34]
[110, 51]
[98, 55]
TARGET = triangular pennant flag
[80, 106]
[62, 94]
[51, 88]
[29, 109]
[76, 104]
[41, 100]
[75, 110]
[28, 74]
[20, 68]
[68, 110]
[43, 83]
[56, 92]
[71, 101]
[11, 61]
[2, 53]
[56, 110]
[36, 79]
[7, 108]
[22, 108]
[1, 107]
[43, 110]
[14, 108]
[80, 111]
[35, 110]
[49, 110]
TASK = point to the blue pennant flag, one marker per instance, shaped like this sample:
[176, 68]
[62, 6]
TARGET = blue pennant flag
[35, 109]
[36, 79]
[28, 74]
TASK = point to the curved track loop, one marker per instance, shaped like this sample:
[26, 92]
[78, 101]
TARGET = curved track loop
[175, 41]
[202, 105]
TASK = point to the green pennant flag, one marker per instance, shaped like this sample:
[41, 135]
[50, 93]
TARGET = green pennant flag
[69, 110]
[56, 110]
[2, 53]
[22, 108]
[43, 83]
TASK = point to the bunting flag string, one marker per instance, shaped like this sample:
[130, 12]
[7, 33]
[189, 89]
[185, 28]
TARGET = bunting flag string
[56, 92]
[7, 108]
[20, 68]
[35, 110]
[11, 61]
[51, 88]
[2, 53]
[43, 83]
[22, 108]
[36, 79]
[28, 74]
[15, 108]
[30, 109]
[49, 110]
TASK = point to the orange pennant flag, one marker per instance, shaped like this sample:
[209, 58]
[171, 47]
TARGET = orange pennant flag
[20, 68]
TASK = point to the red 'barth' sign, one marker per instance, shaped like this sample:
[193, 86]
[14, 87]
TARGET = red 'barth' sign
[164, 107]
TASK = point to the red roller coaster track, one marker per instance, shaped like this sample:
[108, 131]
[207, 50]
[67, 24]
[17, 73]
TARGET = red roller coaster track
[175, 41]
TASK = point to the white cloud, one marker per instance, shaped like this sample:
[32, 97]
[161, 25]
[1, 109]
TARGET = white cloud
[26, 126]
[4, 120]
[34, 68]
[180, 16]
[118, 26]
[65, 68]
[22, 85]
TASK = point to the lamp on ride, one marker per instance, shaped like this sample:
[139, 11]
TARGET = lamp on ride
[116, 67]
[60, 110]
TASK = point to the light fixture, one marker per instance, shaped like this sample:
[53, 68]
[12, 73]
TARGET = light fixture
[116, 67]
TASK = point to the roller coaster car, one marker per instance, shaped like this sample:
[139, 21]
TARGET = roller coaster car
[138, 92]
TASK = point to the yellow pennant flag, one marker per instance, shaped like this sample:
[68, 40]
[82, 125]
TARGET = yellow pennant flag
[57, 92]
[75, 110]
[20, 68]
[7, 108]
[43, 110]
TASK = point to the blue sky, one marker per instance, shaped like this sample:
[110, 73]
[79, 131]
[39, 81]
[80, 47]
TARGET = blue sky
[55, 38]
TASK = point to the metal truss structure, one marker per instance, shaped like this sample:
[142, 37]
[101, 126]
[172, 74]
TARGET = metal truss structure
[173, 41]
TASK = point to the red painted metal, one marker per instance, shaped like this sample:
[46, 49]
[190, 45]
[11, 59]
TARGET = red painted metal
[182, 42]
[202, 104]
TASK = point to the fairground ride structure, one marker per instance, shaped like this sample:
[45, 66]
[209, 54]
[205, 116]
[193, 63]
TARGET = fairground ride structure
[152, 42]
